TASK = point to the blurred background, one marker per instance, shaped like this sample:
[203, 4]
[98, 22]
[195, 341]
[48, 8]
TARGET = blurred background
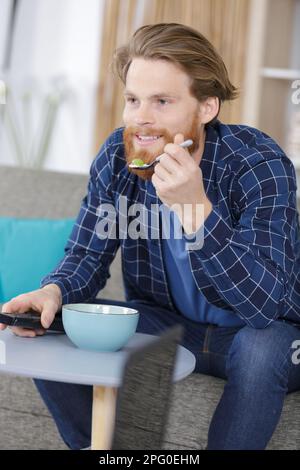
[59, 100]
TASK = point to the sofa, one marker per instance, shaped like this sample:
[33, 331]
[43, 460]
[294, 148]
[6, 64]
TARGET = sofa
[24, 420]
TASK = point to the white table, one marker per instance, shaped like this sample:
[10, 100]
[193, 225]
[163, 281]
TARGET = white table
[54, 357]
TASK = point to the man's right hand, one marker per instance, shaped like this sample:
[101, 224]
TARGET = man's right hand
[47, 301]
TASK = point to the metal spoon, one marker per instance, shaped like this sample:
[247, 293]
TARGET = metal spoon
[185, 144]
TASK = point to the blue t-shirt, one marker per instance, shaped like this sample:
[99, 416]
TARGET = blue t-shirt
[186, 296]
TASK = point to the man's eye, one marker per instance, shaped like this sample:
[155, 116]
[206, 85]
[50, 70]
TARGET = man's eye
[163, 102]
[130, 100]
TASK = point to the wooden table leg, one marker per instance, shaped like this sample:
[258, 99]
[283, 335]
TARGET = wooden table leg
[103, 417]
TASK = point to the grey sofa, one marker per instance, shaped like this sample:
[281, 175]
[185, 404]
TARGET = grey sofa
[24, 420]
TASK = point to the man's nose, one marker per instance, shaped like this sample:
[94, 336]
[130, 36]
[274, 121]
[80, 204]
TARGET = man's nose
[144, 115]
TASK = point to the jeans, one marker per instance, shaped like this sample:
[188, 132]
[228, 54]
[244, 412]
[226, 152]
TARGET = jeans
[256, 364]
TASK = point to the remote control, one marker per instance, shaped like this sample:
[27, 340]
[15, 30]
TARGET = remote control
[31, 320]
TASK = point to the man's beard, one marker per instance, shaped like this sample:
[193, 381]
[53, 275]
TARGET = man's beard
[147, 155]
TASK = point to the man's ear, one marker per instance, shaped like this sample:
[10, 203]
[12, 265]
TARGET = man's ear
[209, 109]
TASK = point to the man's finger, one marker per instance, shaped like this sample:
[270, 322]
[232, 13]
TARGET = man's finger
[16, 305]
[47, 316]
[40, 332]
[178, 154]
[5, 309]
[161, 172]
[25, 332]
[178, 139]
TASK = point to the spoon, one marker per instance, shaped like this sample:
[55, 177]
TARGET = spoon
[185, 144]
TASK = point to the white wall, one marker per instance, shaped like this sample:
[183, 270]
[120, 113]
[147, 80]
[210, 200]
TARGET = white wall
[295, 55]
[4, 16]
[57, 38]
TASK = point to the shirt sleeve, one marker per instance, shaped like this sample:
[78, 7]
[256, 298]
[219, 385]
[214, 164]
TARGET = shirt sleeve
[250, 262]
[84, 270]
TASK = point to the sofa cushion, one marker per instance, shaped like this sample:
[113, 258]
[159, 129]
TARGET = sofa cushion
[30, 248]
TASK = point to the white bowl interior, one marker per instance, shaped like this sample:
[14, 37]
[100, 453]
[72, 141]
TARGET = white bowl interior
[100, 309]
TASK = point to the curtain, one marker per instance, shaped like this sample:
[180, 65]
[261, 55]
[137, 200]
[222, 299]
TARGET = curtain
[223, 22]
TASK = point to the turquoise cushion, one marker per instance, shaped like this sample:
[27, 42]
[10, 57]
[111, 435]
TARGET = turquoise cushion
[29, 249]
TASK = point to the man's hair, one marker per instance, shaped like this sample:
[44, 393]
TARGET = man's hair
[184, 47]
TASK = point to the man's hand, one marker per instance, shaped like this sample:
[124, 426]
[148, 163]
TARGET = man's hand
[47, 301]
[178, 182]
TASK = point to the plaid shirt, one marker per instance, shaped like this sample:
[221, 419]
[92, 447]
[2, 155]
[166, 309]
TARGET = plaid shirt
[249, 262]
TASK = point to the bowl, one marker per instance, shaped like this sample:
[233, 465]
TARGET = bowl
[99, 327]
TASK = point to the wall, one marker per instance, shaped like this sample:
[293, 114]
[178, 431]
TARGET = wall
[54, 39]
[4, 14]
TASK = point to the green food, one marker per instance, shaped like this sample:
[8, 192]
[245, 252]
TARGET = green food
[137, 162]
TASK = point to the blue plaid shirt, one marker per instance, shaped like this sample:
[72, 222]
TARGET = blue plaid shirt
[249, 262]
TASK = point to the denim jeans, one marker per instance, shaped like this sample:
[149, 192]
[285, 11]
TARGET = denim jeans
[256, 363]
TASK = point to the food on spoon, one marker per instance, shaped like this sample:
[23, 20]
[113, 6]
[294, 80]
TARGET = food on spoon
[137, 162]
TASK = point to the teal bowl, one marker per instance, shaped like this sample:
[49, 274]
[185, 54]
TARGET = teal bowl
[99, 327]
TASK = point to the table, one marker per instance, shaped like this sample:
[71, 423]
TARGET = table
[54, 357]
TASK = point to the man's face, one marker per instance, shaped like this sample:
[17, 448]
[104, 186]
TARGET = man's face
[158, 105]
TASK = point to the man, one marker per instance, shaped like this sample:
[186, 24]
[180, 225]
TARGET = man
[235, 289]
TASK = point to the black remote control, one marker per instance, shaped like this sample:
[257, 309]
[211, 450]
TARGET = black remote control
[31, 320]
